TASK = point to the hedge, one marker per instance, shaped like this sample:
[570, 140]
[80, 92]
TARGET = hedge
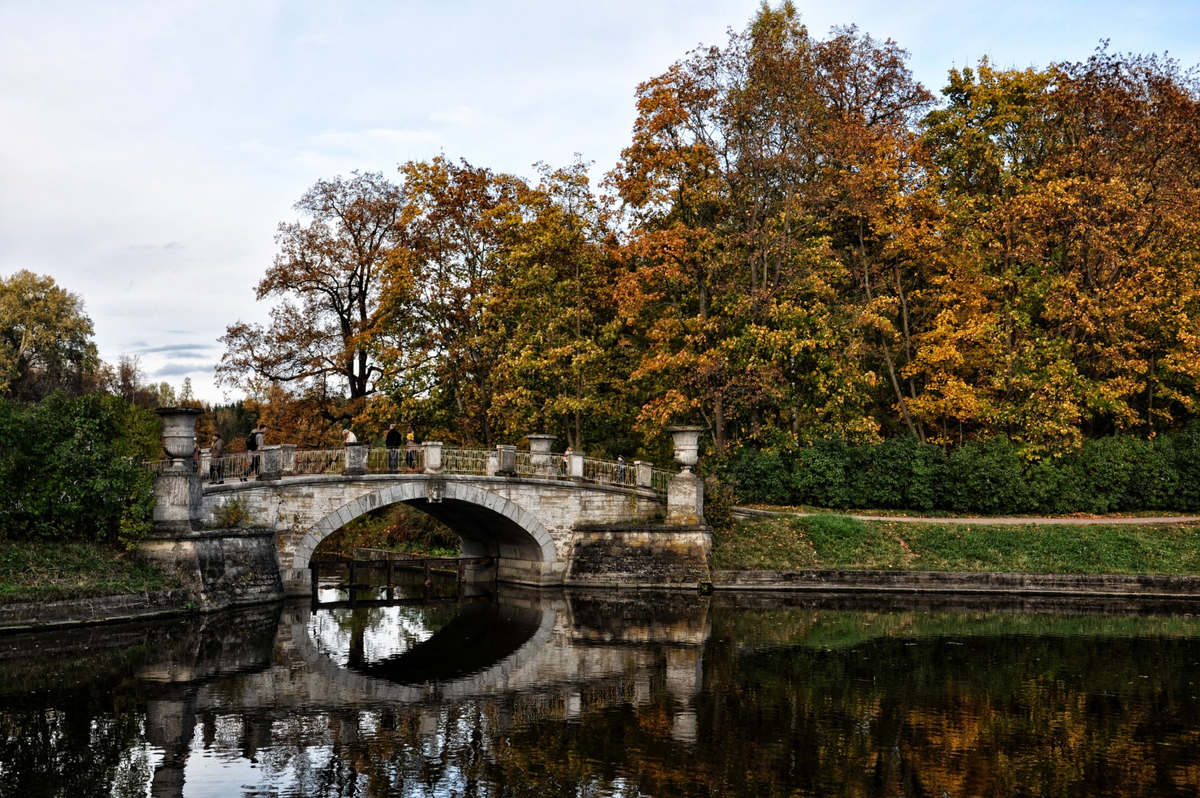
[1107, 475]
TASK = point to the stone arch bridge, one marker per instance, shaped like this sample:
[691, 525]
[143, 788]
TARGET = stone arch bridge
[547, 519]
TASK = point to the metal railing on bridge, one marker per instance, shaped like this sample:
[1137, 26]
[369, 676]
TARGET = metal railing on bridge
[292, 461]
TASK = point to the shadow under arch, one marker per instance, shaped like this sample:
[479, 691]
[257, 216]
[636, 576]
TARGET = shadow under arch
[488, 524]
[475, 654]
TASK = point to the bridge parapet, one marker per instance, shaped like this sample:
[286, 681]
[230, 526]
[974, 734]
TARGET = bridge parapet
[433, 458]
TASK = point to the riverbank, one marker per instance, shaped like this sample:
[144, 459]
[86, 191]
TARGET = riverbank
[48, 572]
[837, 542]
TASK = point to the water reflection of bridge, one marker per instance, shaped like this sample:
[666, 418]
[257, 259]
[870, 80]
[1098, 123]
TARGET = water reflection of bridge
[522, 644]
[536, 653]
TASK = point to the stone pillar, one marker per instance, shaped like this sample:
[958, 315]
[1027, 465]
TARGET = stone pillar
[506, 460]
[540, 456]
[575, 466]
[271, 464]
[287, 459]
[356, 459]
[645, 473]
[433, 456]
[177, 491]
[685, 493]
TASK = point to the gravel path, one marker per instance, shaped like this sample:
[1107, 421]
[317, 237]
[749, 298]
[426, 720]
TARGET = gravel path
[747, 512]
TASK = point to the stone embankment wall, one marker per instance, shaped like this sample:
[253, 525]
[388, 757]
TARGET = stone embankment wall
[961, 583]
[100, 610]
[220, 568]
[633, 556]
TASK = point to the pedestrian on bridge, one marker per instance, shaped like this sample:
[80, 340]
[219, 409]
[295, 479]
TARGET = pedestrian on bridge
[216, 466]
[254, 443]
[410, 450]
[393, 441]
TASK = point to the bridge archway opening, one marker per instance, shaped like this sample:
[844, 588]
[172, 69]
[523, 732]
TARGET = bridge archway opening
[487, 524]
[399, 527]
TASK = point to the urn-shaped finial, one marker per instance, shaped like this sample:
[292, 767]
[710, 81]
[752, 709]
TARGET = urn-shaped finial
[178, 432]
[687, 445]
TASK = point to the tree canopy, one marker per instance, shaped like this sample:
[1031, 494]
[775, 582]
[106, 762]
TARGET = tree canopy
[799, 243]
[45, 339]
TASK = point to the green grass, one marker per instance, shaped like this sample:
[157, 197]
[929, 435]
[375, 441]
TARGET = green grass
[834, 541]
[54, 571]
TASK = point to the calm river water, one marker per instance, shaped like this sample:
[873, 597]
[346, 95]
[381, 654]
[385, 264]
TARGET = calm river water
[611, 694]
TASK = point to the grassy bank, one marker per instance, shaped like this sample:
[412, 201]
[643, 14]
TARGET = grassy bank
[834, 541]
[54, 571]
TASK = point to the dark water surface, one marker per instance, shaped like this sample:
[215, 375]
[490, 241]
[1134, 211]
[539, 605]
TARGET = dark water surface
[622, 694]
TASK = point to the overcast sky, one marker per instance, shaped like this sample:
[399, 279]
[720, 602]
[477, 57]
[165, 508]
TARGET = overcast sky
[148, 150]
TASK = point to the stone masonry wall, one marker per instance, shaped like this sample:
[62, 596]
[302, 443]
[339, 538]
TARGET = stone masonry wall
[639, 556]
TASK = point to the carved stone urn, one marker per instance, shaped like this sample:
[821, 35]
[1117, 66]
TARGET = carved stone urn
[687, 445]
[539, 455]
[178, 434]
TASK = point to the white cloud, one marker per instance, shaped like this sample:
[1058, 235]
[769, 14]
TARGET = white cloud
[460, 116]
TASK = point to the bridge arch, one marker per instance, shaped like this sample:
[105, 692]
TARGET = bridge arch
[488, 524]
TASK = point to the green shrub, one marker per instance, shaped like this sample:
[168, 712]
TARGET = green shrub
[72, 469]
[986, 478]
[819, 474]
[719, 500]
[1119, 473]
[900, 472]
[1102, 471]
[1184, 447]
[233, 514]
[1051, 487]
[761, 478]
[1154, 483]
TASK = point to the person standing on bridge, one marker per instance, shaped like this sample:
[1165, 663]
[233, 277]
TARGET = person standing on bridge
[216, 467]
[393, 441]
[254, 443]
[410, 450]
[349, 437]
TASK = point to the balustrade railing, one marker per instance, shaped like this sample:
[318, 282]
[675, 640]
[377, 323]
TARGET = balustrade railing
[609, 472]
[320, 461]
[395, 461]
[466, 461]
[312, 462]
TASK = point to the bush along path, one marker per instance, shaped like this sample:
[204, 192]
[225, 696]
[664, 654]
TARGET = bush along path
[1120, 474]
[761, 540]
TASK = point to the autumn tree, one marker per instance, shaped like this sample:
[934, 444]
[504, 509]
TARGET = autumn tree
[562, 367]
[1067, 283]
[327, 279]
[751, 218]
[438, 358]
[45, 339]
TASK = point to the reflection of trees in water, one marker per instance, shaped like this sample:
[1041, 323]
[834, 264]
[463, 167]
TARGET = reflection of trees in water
[369, 753]
[792, 701]
[91, 746]
[892, 714]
